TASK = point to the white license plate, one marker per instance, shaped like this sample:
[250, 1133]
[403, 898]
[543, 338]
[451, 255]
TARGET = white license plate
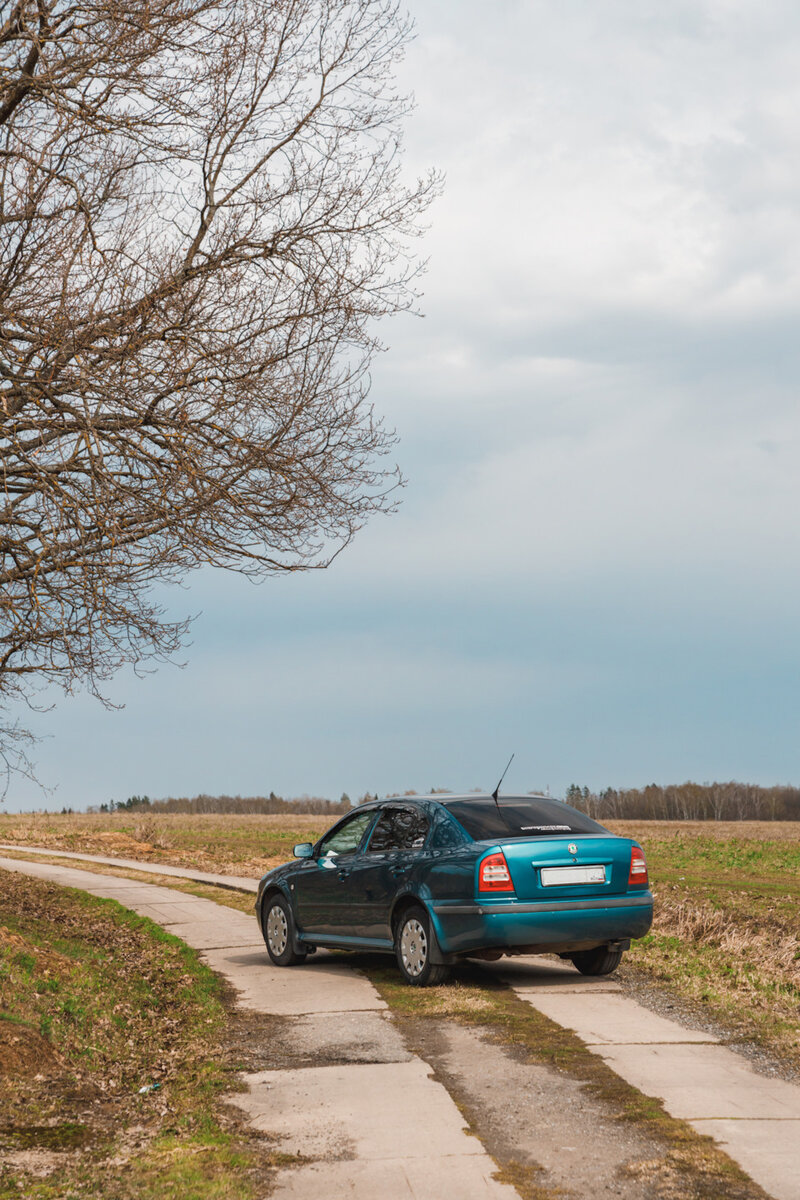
[562, 876]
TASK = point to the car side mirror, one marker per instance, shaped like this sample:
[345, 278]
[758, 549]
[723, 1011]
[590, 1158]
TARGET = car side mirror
[303, 850]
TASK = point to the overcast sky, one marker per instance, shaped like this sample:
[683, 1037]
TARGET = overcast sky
[595, 564]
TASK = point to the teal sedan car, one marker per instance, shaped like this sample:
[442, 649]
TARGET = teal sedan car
[435, 880]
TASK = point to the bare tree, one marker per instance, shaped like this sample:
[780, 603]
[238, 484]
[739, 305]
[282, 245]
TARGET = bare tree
[201, 217]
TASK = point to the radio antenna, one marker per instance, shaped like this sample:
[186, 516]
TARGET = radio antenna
[496, 791]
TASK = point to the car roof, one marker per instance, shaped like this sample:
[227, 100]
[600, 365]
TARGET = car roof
[446, 797]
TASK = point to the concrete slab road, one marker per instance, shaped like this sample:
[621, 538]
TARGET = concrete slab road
[384, 1129]
[241, 883]
[391, 1121]
[755, 1118]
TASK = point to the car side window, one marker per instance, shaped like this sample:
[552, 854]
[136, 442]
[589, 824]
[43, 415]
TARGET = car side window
[347, 838]
[399, 829]
[446, 834]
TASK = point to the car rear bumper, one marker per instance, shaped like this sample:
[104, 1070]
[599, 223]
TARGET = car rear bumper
[510, 924]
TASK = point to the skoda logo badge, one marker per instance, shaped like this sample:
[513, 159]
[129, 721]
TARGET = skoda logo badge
[573, 849]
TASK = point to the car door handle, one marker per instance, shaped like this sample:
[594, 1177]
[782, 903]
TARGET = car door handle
[399, 870]
[343, 872]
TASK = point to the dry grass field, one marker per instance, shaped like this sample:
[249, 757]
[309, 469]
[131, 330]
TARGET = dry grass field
[236, 845]
[726, 938]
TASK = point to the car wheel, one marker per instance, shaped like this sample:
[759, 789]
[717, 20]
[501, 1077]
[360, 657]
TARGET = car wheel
[277, 926]
[600, 961]
[412, 942]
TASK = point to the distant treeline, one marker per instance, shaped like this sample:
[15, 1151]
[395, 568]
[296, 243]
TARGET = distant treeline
[690, 802]
[230, 804]
[676, 802]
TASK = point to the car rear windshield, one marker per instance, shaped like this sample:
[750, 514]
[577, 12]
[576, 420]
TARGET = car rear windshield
[486, 821]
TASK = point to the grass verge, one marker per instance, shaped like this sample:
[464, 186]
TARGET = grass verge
[733, 956]
[97, 1004]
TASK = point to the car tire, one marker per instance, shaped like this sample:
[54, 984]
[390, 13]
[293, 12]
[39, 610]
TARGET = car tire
[277, 926]
[600, 961]
[413, 940]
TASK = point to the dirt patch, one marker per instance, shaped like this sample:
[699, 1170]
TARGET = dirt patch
[44, 961]
[12, 940]
[679, 1164]
[36, 1163]
[539, 1124]
[252, 1039]
[260, 1042]
[68, 1135]
[24, 1052]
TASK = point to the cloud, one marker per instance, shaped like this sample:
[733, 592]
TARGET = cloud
[597, 555]
[613, 300]
[608, 153]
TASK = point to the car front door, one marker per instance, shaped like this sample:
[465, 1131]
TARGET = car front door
[321, 885]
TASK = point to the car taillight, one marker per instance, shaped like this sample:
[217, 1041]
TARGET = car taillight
[637, 876]
[494, 875]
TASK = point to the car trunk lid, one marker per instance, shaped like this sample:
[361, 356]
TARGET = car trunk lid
[566, 868]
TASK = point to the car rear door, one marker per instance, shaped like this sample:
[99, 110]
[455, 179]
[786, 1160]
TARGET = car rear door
[395, 847]
[322, 885]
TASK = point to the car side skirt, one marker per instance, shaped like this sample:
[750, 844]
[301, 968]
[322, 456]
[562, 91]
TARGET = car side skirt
[342, 941]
